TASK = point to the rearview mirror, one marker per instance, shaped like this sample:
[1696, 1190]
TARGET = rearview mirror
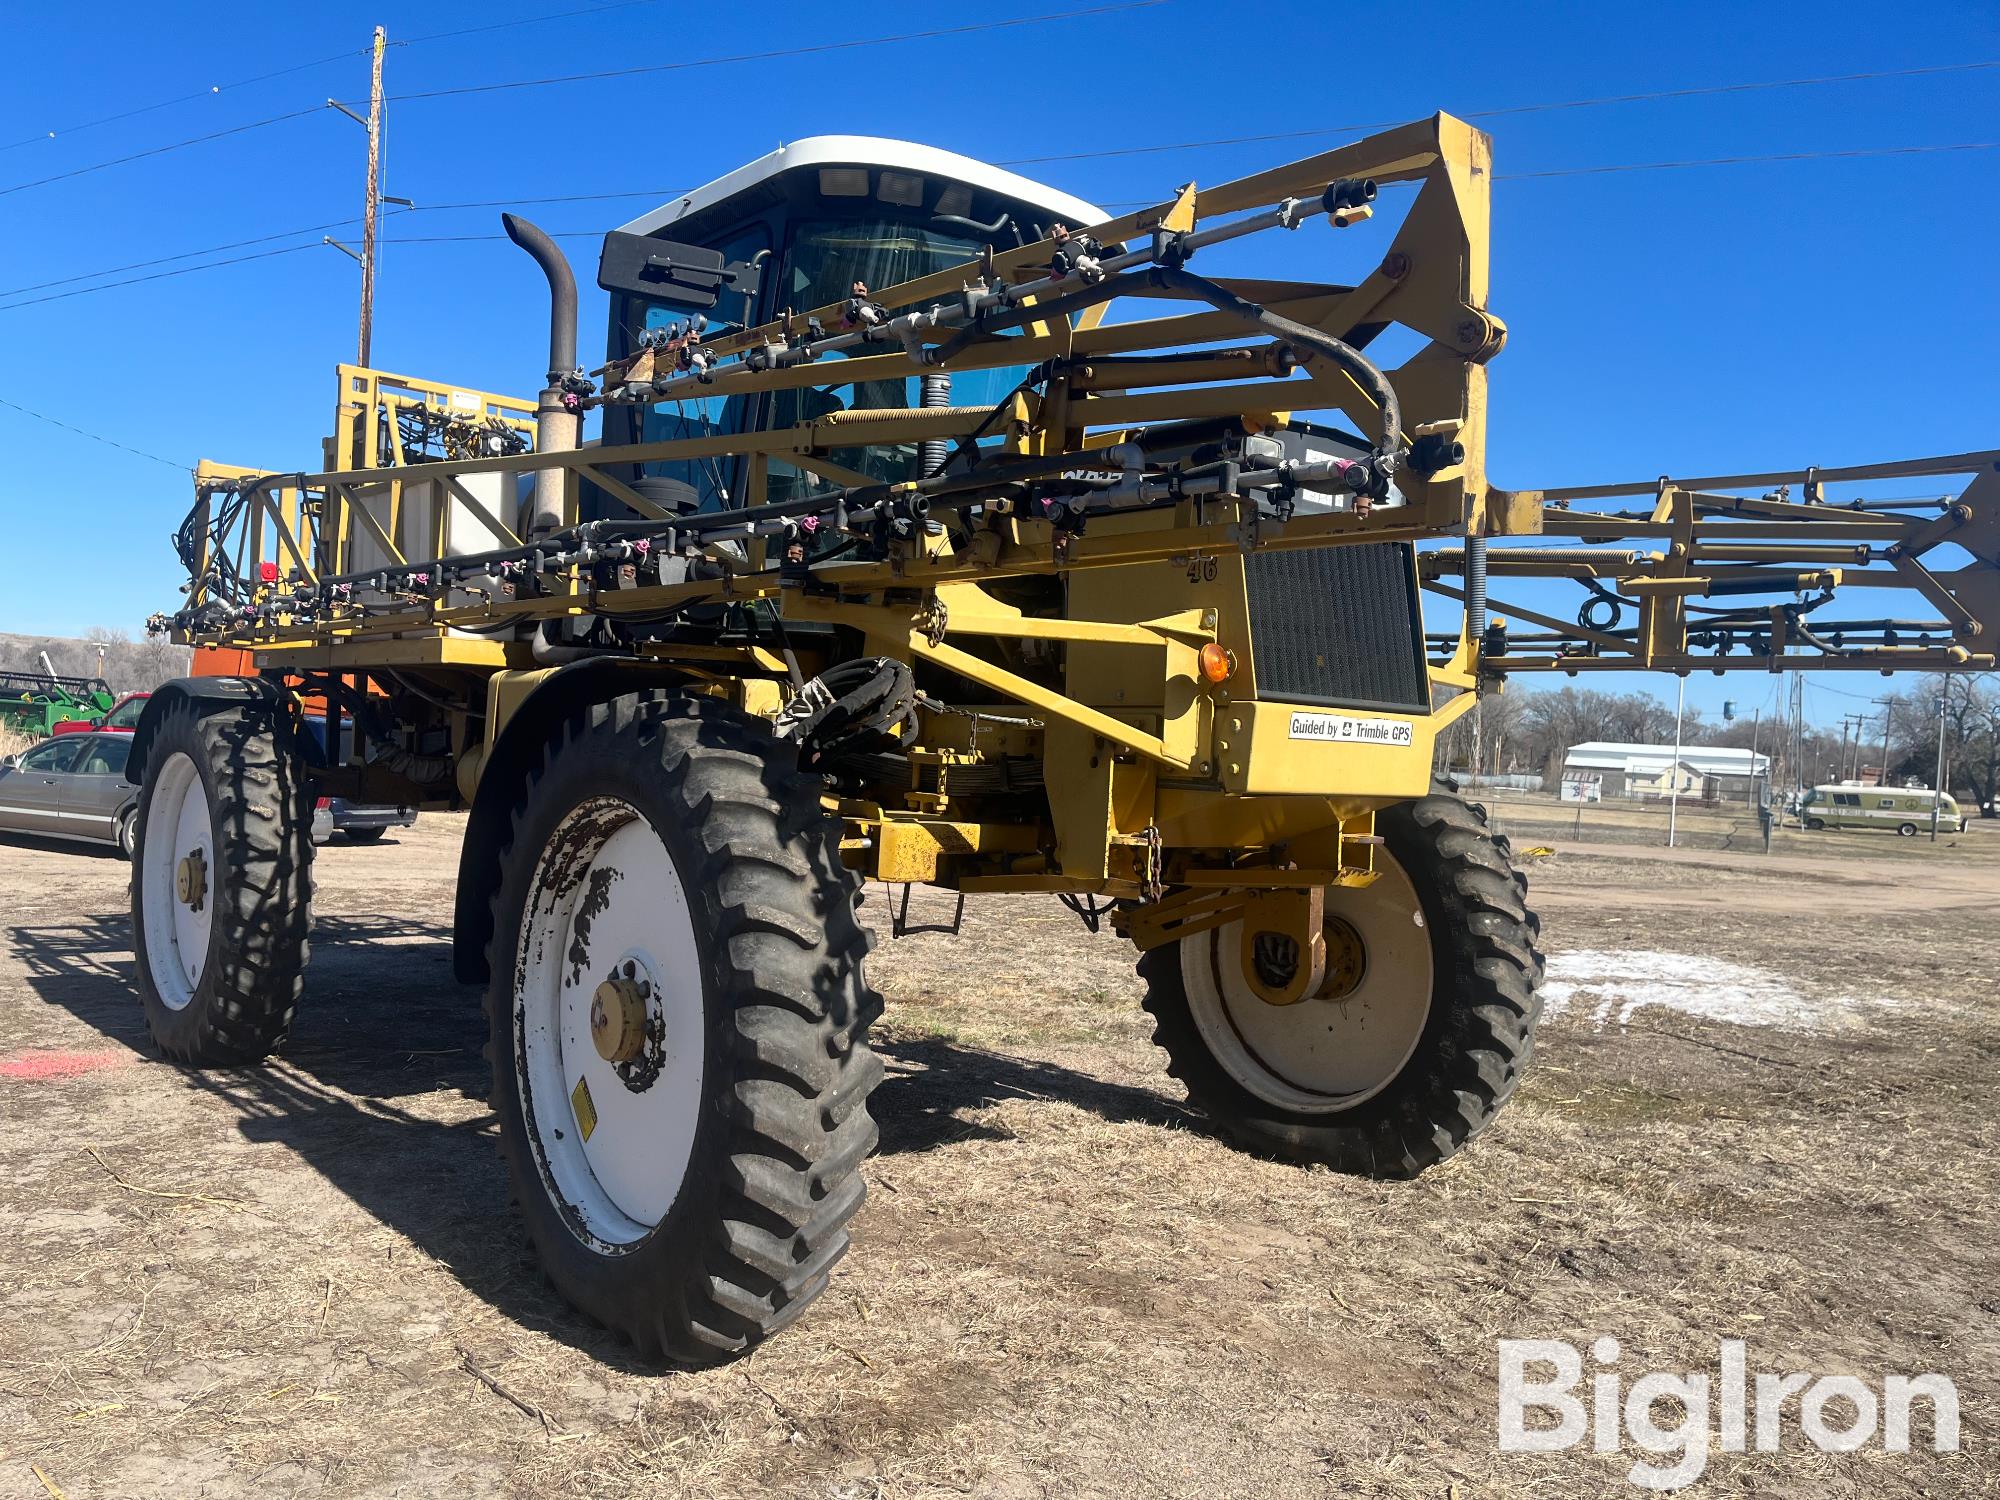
[665, 269]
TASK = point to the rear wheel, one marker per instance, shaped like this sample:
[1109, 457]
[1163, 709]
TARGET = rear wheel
[221, 884]
[1412, 1042]
[126, 830]
[678, 1019]
[1907, 830]
[365, 835]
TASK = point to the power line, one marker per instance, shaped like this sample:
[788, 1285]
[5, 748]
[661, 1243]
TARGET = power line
[213, 265]
[657, 194]
[94, 436]
[1691, 92]
[527, 83]
[850, 44]
[119, 161]
[319, 62]
[1736, 161]
[165, 260]
[208, 93]
[587, 10]
[459, 239]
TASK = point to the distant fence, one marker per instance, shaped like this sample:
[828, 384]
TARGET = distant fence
[1514, 780]
[1698, 823]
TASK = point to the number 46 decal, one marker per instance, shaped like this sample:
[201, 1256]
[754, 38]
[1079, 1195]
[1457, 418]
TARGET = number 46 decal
[1201, 570]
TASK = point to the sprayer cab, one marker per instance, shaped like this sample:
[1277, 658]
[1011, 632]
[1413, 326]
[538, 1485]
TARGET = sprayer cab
[817, 222]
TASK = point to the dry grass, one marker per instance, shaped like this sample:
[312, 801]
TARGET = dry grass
[303, 1279]
[13, 743]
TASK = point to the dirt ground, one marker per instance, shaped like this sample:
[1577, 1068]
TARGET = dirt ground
[1765, 1109]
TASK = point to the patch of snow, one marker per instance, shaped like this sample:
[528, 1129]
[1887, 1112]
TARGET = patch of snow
[1615, 984]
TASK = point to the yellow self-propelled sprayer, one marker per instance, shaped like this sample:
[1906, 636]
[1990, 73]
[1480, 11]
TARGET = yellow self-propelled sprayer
[901, 557]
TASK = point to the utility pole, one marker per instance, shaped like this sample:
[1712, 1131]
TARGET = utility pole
[1851, 724]
[1937, 791]
[1797, 727]
[373, 197]
[372, 205]
[1888, 707]
[1674, 771]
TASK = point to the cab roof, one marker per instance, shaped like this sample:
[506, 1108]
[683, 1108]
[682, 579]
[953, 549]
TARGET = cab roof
[870, 151]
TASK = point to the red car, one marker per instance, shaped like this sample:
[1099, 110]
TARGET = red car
[122, 719]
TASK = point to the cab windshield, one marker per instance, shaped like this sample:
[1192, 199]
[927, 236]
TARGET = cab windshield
[825, 260]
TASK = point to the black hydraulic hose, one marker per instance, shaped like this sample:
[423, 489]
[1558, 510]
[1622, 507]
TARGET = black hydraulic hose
[562, 291]
[1349, 358]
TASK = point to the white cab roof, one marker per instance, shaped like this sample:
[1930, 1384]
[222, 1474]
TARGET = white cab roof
[868, 150]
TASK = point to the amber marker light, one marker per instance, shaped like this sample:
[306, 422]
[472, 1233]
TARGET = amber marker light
[1217, 663]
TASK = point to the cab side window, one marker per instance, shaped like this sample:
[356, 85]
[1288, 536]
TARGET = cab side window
[107, 757]
[704, 416]
[53, 758]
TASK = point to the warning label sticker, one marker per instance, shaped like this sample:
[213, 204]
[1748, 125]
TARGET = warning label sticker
[1351, 729]
[582, 1108]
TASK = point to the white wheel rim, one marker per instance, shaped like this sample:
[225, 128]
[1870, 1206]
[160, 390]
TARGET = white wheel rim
[608, 900]
[178, 827]
[1321, 1056]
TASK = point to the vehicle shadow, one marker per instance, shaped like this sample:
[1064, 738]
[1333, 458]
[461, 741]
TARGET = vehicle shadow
[384, 1030]
[15, 839]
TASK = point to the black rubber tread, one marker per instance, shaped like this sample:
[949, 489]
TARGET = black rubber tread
[775, 1174]
[1480, 1035]
[260, 803]
[364, 835]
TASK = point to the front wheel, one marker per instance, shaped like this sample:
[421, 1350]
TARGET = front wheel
[1414, 1040]
[679, 1019]
[221, 883]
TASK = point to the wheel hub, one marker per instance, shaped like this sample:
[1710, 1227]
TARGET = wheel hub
[618, 1019]
[191, 879]
[628, 1022]
[1346, 959]
[1315, 1006]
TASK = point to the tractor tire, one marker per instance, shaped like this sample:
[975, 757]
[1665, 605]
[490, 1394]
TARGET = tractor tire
[1412, 1051]
[222, 884]
[679, 1023]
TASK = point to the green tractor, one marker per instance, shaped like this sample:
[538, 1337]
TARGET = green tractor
[33, 703]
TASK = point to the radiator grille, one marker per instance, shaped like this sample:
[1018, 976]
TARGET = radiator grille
[1338, 627]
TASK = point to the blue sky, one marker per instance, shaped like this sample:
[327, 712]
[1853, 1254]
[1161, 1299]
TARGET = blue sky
[1750, 316]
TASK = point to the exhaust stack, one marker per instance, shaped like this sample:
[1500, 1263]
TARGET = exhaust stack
[558, 423]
